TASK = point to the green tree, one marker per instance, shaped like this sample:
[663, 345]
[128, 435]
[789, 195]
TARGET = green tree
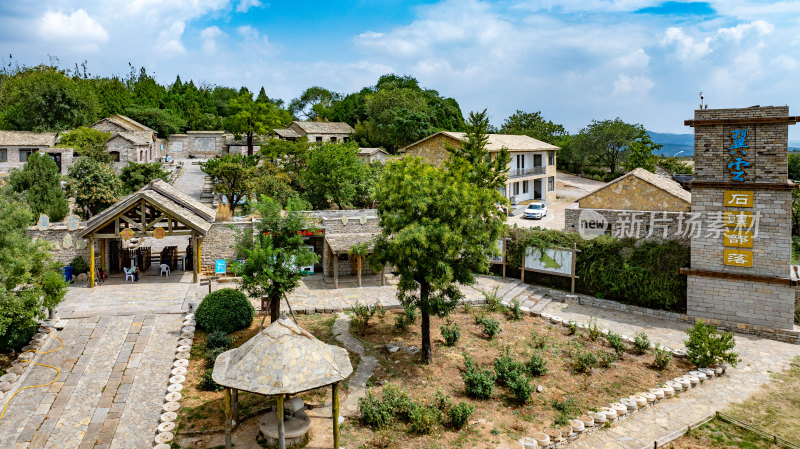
[332, 175]
[145, 91]
[163, 122]
[273, 254]
[471, 157]
[291, 157]
[575, 153]
[222, 96]
[87, 142]
[135, 175]
[439, 227]
[532, 124]
[794, 166]
[29, 282]
[314, 103]
[45, 99]
[231, 176]
[610, 141]
[94, 185]
[250, 118]
[271, 182]
[40, 182]
[112, 94]
[640, 153]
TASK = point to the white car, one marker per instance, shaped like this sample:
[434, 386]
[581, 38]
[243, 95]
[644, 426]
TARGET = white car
[535, 211]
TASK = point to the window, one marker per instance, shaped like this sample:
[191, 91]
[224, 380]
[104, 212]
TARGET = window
[115, 155]
[319, 139]
[333, 139]
[524, 186]
[551, 183]
[3, 155]
[24, 153]
[551, 157]
[516, 188]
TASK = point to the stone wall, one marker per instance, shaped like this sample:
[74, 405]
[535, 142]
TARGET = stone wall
[652, 225]
[12, 156]
[741, 301]
[128, 152]
[203, 144]
[54, 236]
[633, 193]
[219, 242]
[434, 149]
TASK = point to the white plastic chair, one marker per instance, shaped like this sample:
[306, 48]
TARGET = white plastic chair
[164, 269]
[128, 274]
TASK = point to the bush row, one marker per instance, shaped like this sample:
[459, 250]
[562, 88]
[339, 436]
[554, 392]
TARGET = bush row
[397, 406]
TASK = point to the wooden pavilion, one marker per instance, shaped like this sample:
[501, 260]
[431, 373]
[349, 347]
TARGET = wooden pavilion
[157, 209]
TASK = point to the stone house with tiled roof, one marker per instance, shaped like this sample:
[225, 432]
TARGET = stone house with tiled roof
[531, 172]
[316, 131]
[16, 146]
[130, 140]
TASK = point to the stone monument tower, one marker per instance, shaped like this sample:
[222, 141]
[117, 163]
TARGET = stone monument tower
[740, 261]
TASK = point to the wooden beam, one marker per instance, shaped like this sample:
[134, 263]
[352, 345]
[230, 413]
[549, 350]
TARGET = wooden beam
[155, 221]
[281, 430]
[335, 406]
[235, 401]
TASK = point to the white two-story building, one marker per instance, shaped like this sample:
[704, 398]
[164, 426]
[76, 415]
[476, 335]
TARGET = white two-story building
[531, 172]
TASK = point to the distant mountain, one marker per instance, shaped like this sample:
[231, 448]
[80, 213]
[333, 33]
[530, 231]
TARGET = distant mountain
[674, 143]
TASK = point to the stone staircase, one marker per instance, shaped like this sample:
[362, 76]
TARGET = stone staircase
[530, 299]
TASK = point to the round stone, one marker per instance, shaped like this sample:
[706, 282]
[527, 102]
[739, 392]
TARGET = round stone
[166, 426]
[162, 446]
[650, 397]
[698, 374]
[184, 348]
[174, 388]
[719, 371]
[5, 386]
[577, 425]
[541, 438]
[185, 342]
[8, 377]
[679, 353]
[620, 408]
[171, 407]
[686, 384]
[168, 416]
[546, 316]
[640, 401]
[658, 393]
[180, 363]
[187, 335]
[587, 420]
[164, 437]
[187, 329]
[608, 413]
[630, 404]
[668, 391]
[693, 380]
[179, 379]
[600, 417]
[182, 355]
[179, 371]
[173, 397]
[189, 316]
[675, 385]
[16, 369]
[708, 372]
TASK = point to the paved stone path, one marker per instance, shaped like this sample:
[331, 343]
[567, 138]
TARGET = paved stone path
[357, 385]
[191, 179]
[760, 357]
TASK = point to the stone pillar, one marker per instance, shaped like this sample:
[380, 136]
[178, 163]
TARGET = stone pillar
[196, 266]
[335, 270]
[740, 261]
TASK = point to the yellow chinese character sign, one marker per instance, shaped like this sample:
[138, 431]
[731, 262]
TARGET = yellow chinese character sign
[126, 234]
[737, 258]
[738, 198]
[739, 239]
[737, 219]
[159, 233]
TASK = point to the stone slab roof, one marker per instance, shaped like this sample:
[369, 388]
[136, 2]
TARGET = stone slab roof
[125, 122]
[661, 182]
[341, 243]
[496, 142]
[370, 151]
[282, 358]
[325, 127]
[23, 138]
[287, 133]
[168, 190]
[137, 137]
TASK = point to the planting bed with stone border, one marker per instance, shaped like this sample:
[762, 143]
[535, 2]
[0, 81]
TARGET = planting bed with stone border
[16, 365]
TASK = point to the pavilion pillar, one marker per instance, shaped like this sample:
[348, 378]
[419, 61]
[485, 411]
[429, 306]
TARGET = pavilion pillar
[102, 254]
[335, 270]
[195, 266]
[235, 405]
[281, 431]
[91, 262]
[383, 276]
[227, 418]
[358, 267]
[199, 250]
[335, 406]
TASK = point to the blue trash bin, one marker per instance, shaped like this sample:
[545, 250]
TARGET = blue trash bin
[67, 272]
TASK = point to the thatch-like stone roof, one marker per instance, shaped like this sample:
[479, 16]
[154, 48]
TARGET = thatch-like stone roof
[287, 133]
[341, 243]
[23, 138]
[496, 142]
[325, 127]
[282, 359]
[661, 182]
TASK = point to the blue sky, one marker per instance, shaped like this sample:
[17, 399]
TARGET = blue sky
[575, 60]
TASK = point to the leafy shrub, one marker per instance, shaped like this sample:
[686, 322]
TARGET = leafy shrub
[398, 401]
[572, 328]
[565, 409]
[407, 318]
[662, 359]
[536, 366]
[441, 401]
[18, 334]
[363, 313]
[451, 332]
[211, 355]
[539, 341]
[592, 330]
[79, 265]
[506, 368]
[707, 346]
[458, 415]
[493, 303]
[136, 175]
[616, 343]
[225, 310]
[514, 312]
[425, 419]
[521, 388]
[478, 383]
[218, 339]
[641, 343]
[491, 326]
[374, 412]
[584, 362]
[608, 359]
[207, 383]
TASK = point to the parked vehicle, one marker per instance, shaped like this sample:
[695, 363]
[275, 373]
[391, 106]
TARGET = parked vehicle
[535, 211]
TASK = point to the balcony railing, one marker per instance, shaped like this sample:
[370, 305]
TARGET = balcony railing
[518, 172]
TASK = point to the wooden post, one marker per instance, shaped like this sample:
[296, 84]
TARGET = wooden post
[195, 268]
[522, 266]
[358, 267]
[383, 276]
[505, 244]
[335, 270]
[574, 256]
[91, 262]
[199, 249]
[235, 405]
[227, 418]
[103, 254]
[281, 432]
[335, 400]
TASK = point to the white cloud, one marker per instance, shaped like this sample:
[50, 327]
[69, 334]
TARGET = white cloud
[170, 38]
[77, 30]
[686, 47]
[636, 60]
[255, 41]
[736, 33]
[209, 37]
[635, 85]
[245, 5]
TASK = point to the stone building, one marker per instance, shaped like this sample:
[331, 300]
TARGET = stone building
[638, 204]
[130, 140]
[16, 146]
[201, 144]
[316, 131]
[531, 172]
[373, 155]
